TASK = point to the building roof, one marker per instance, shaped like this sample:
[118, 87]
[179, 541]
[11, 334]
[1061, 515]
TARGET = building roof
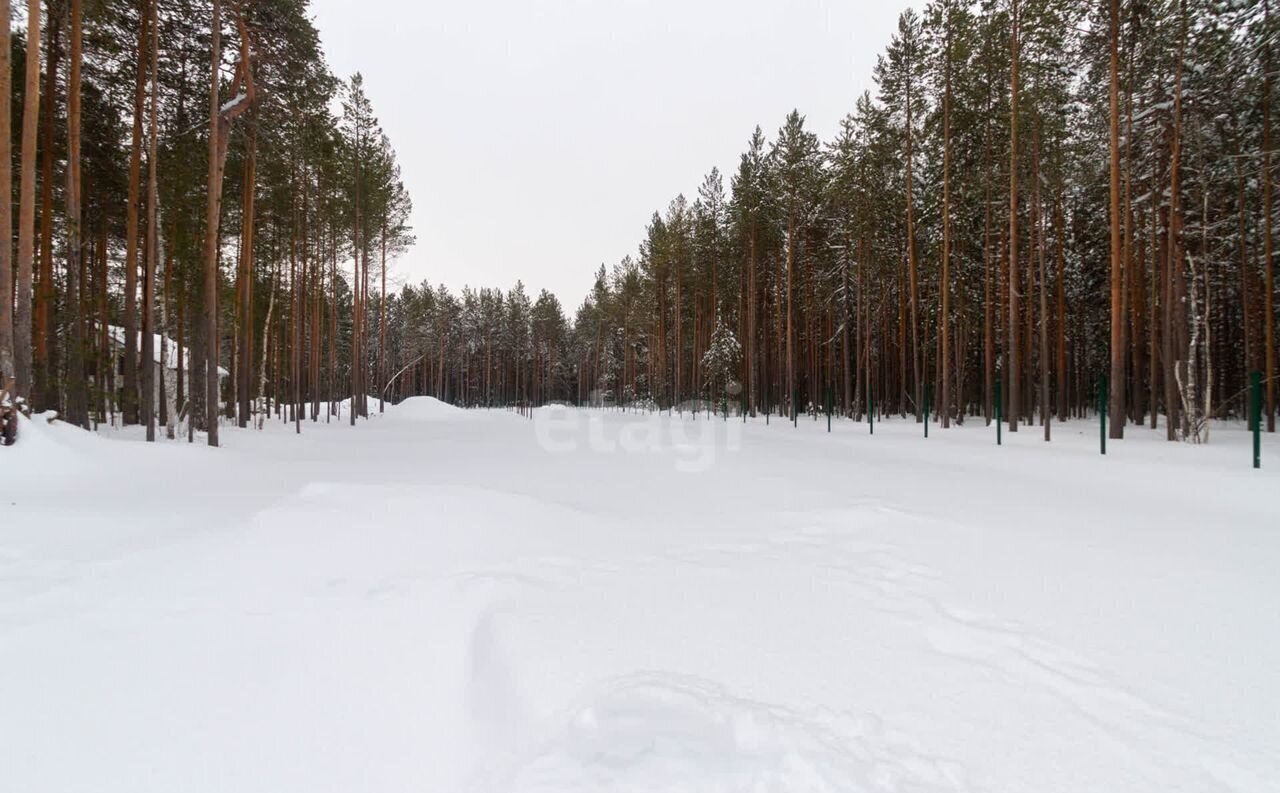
[116, 334]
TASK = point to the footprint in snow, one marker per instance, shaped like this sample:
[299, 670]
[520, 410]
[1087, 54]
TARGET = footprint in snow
[662, 733]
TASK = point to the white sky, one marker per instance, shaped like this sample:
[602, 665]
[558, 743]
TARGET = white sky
[537, 137]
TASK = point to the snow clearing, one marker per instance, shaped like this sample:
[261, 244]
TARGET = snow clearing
[589, 600]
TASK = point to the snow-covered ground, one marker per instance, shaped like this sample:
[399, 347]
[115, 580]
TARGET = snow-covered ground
[441, 600]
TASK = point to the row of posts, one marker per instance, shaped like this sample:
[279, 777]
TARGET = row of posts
[1254, 412]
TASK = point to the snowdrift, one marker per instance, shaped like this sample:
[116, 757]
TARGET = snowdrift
[47, 445]
[425, 408]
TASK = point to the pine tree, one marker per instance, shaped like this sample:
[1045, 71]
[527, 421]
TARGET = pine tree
[720, 361]
[8, 373]
[26, 206]
[797, 158]
[900, 74]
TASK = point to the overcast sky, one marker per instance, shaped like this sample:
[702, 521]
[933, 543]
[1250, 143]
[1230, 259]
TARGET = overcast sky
[537, 137]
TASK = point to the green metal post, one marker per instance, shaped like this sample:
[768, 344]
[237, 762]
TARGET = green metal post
[1102, 412]
[871, 409]
[795, 408]
[1255, 388]
[1248, 403]
[999, 414]
[926, 411]
[828, 410]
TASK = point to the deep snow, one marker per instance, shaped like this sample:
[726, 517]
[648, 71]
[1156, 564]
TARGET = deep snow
[447, 600]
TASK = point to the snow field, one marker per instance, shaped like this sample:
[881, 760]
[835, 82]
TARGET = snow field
[445, 600]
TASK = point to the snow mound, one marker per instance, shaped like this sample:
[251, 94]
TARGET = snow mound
[344, 405]
[663, 733]
[425, 408]
[46, 446]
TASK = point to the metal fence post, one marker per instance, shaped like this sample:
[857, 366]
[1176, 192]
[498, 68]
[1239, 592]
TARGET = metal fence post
[1102, 412]
[1256, 417]
[999, 414]
[926, 410]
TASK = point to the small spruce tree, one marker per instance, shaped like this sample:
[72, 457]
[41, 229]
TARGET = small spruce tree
[720, 360]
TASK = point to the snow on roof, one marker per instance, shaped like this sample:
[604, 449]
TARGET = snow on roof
[116, 334]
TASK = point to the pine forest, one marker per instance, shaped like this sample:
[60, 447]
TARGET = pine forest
[1043, 204]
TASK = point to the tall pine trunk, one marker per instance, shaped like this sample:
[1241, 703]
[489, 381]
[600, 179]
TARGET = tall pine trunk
[382, 326]
[44, 333]
[791, 271]
[1116, 396]
[1269, 284]
[129, 399]
[752, 303]
[1046, 410]
[988, 308]
[244, 379]
[1011, 343]
[944, 323]
[913, 276]
[355, 288]
[27, 206]
[153, 238]
[210, 317]
[8, 373]
[1175, 324]
[77, 409]
[1061, 298]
